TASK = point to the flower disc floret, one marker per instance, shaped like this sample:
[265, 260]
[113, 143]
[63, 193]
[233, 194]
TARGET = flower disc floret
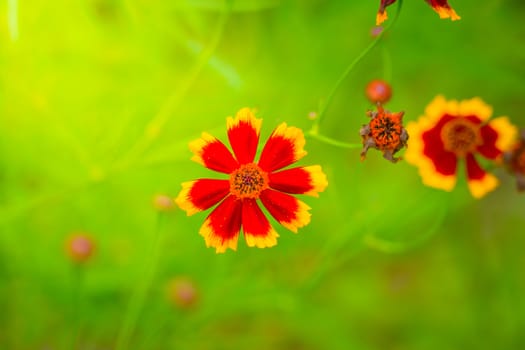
[248, 181]
[461, 136]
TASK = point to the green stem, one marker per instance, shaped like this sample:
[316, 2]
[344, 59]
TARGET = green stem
[78, 283]
[13, 212]
[353, 64]
[387, 64]
[156, 124]
[338, 250]
[138, 298]
[12, 19]
[333, 142]
[390, 246]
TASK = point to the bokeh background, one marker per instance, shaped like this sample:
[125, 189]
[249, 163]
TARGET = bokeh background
[98, 101]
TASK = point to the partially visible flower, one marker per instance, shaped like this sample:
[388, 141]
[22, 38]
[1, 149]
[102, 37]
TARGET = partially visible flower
[249, 182]
[182, 292]
[443, 9]
[80, 247]
[384, 132]
[381, 14]
[452, 131]
[378, 91]
[440, 6]
[515, 161]
[163, 202]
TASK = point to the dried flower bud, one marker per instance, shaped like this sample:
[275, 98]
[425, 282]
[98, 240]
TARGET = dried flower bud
[384, 132]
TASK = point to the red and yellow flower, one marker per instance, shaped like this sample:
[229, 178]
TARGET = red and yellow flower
[440, 6]
[451, 131]
[249, 183]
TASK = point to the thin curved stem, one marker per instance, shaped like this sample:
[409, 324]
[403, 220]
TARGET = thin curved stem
[340, 249]
[156, 124]
[138, 298]
[387, 64]
[12, 19]
[324, 106]
[333, 142]
[390, 246]
[78, 285]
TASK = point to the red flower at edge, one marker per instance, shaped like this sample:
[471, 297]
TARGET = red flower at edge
[454, 131]
[440, 6]
[381, 14]
[515, 161]
[250, 182]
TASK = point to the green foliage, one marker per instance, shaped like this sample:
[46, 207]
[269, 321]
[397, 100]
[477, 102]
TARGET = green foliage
[98, 101]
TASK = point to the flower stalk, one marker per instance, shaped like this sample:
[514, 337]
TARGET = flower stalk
[323, 108]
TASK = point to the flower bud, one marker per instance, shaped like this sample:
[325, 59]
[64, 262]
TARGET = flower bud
[378, 91]
[80, 247]
[163, 202]
[182, 292]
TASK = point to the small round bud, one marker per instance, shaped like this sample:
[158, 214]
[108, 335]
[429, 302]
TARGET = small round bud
[376, 31]
[163, 202]
[80, 247]
[312, 115]
[182, 292]
[378, 91]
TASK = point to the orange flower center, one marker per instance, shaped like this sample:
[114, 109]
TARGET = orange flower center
[461, 136]
[386, 129]
[248, 181]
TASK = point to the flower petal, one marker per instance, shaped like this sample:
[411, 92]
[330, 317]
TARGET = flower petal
[440, 107]
[243, 133]
[381, 17]
[308, 180]
[213, 154]
[437, 167]
[257, 229]
[201, 194]
[284, 147]
[222, 226]
[287, 210]
[443, 9]
[381, 14]
[479, 181]
[507, 133]
[475, 107]
[490, 137]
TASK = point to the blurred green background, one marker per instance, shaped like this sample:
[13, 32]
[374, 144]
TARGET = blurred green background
[98, 101]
